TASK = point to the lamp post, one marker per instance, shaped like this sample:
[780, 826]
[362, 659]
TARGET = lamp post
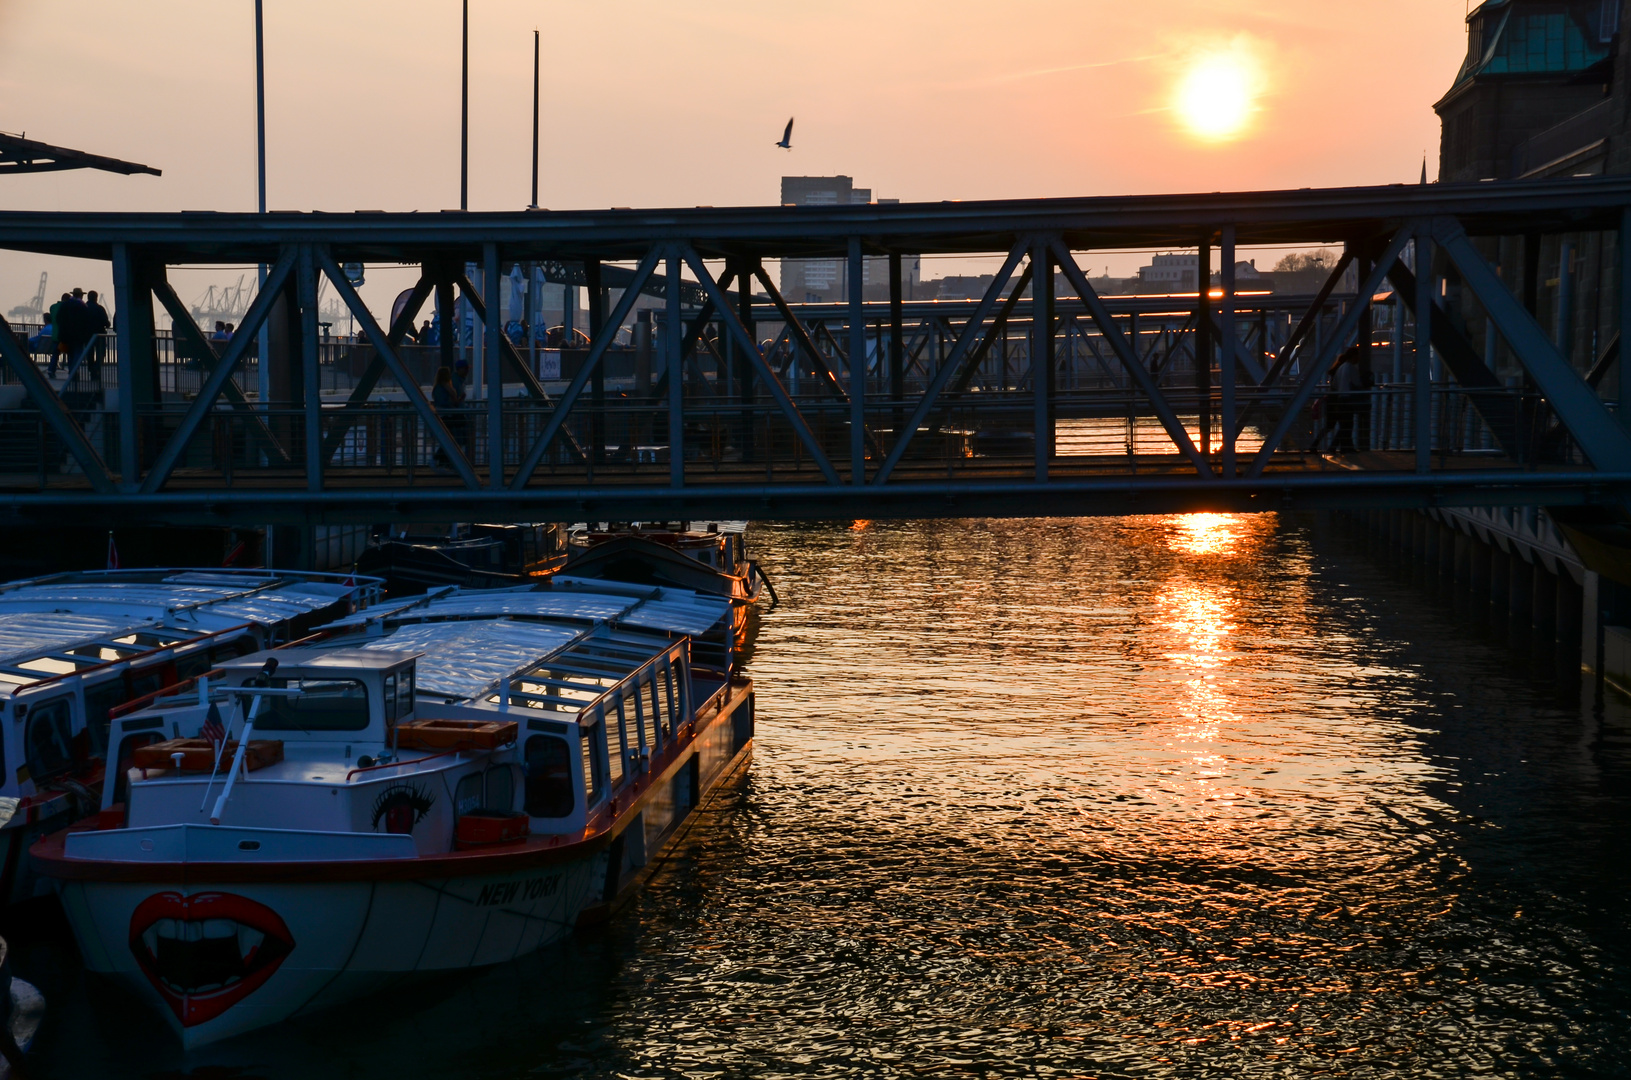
[263, 337]
[464, 117]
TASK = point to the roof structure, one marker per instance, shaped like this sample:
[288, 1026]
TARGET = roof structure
[20, 155]
[1514, 38]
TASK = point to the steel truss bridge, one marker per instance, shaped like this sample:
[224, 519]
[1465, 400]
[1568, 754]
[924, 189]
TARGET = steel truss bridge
[1040, 397]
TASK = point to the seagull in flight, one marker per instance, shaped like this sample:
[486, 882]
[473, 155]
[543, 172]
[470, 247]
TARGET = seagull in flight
[787, 136]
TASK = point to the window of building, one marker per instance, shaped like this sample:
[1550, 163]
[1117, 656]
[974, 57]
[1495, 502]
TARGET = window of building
[548, 763]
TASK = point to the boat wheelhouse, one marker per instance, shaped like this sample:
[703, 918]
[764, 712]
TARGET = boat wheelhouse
[75, 647]
[428, 786]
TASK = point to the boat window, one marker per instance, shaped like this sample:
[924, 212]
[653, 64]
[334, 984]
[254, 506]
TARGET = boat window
[390, 698]
[500, 789]
[48, 739]
[100, 700]
[192, 664]
[623, 745]
[657, 716]
[322, 705]
[404, 692]
[669, 677]
[127, 755]
[145, 681]
[592, 743]
[549, 777]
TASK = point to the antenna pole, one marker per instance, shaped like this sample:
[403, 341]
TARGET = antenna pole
[534, 204]
[464, 117]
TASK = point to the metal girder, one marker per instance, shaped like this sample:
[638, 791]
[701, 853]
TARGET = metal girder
[1279, 218]
[1498, 411]
[800, 334]
[399, 370]
[562, 272]
[53, 412]
[597, 349]
[1610, 356]
[750, 347]
[340, 426]
[965, 340]
[1329, 351]
[1118, 344]
[181, 319]
[999, 323]
[1600, 437]
[1310, 319]
[216, 381]
[310, 373]
[804, 501]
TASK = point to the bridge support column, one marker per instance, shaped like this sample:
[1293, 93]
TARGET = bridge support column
[1570, 613]
[1479, 557]
[1520, 604]
[1500, 592]
[1543, 620]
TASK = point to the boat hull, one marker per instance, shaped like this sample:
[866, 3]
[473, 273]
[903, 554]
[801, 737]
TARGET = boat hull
[220, 950]
[218, 959]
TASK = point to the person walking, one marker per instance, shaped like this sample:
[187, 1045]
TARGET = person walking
[1342, 405]
[98, 324]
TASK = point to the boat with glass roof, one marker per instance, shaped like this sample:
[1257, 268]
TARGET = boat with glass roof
[76, 646]
[427, 786]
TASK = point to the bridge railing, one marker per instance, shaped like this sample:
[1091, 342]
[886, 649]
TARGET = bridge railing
[727, 440]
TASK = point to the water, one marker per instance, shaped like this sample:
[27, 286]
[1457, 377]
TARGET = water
[1134, 797]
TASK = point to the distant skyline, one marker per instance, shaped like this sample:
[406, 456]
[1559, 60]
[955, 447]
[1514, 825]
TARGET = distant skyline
[649, 104]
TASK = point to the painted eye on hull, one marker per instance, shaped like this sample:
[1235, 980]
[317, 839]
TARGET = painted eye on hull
[401, 807]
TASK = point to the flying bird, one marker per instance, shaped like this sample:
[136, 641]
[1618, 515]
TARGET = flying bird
[787, 136]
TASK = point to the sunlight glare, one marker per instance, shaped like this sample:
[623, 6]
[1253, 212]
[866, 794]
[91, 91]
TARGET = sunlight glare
[1215, 99]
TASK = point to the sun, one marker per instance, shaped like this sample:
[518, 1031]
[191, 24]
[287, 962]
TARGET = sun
[1216, 98]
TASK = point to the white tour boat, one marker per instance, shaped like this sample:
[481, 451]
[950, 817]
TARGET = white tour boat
[76, 647]
[442, 784]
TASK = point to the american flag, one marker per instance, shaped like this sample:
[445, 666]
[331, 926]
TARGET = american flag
[113, 553]
[213, 730]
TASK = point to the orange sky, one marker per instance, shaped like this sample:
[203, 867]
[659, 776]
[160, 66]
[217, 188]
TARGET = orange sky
[649, 103]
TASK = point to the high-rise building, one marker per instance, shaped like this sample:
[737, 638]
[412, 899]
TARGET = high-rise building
[819, 281]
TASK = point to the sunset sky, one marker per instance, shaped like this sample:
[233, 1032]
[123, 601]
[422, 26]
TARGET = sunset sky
[651, 104]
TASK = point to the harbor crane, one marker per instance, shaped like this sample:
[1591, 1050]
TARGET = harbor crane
[35, 307]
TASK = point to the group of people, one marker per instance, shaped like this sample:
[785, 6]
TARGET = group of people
[74, 327]
[223, 330]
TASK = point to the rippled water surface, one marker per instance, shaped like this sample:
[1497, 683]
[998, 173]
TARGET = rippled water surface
[1186, 796]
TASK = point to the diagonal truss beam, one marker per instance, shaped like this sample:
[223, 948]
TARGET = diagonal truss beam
[399, 371]
[750, 348]
[1499, 411]
[341, 425]
[1310, 319]
[597, 349]
[1332, 347]
[181, 319]
[1124, 352]
[54, 412]
[965, 341]
[217, 379]
[796, 330]
[1600, 437]
[508, 353]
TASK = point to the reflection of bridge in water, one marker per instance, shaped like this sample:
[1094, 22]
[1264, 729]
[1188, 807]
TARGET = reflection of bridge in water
[1040, 397]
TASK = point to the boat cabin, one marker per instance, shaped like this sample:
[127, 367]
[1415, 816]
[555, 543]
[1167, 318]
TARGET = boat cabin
[75, 647]
[447, 723]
